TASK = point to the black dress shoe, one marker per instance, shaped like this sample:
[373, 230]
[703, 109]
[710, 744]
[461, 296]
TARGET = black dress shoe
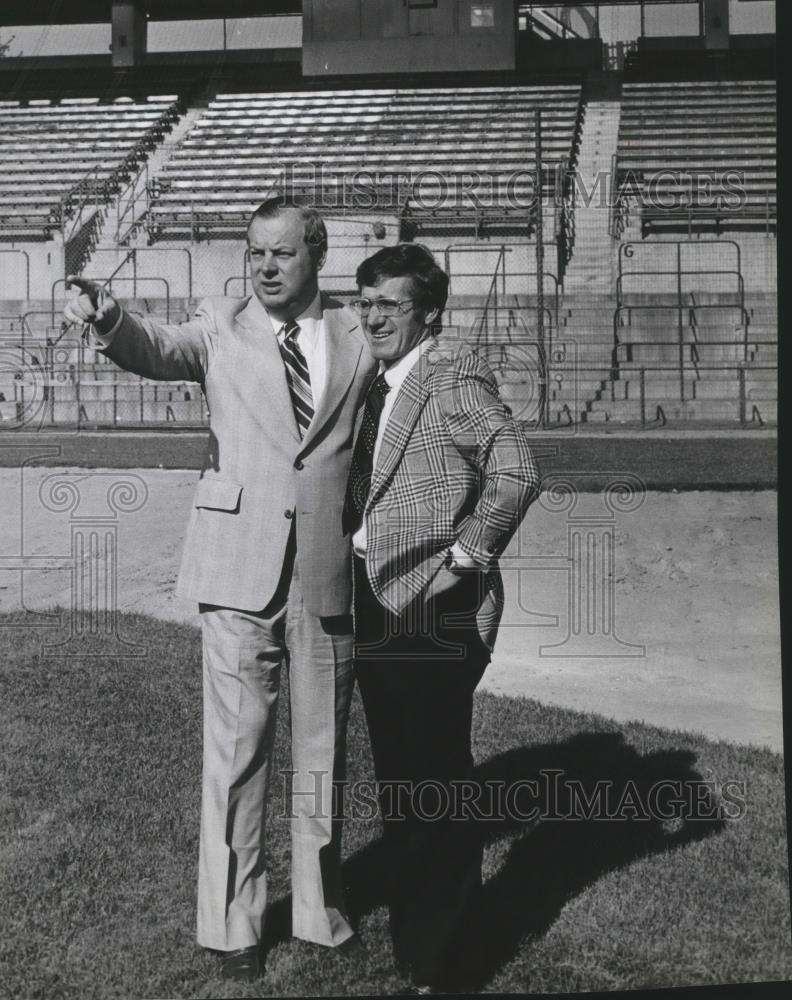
[243, 965]
[353, 947]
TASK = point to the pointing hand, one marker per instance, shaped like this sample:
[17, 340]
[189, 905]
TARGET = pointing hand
[89, 303]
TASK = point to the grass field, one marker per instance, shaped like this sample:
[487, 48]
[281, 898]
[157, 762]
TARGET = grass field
[99, 823]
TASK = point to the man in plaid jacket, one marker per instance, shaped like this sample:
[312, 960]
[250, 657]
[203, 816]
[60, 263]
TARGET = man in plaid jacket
[441, 478]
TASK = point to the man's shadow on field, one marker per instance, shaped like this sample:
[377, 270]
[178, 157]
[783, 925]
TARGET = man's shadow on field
[602, 806]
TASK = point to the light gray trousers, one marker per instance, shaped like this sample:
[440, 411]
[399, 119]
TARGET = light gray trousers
[243, 653]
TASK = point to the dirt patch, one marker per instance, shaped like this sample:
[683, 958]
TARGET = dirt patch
[667, 613]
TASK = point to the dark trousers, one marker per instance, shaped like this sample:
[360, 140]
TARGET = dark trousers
[417, 678]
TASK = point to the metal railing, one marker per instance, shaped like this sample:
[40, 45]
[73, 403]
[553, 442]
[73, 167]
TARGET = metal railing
[680, 306]
[132, 206]
[67, 385]
[133, 256]
[733, 377]
[681, 327]
[692, 216]
[624, 351]
[521, 278]
[60, 403]
[620, 208]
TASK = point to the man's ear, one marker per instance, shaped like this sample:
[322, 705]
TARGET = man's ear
[320, 263]
[431, 316]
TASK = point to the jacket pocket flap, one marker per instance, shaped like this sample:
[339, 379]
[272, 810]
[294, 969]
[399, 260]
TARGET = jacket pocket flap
[218, 494]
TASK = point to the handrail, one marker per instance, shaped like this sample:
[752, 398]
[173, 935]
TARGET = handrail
[627, 252]
[471, 248]
[552, 23]
[619, 203]
[492, 296]
[624, 249]
[85, 194]
[134, 252]
[737, 370]
[680, 341]
[94, 191]
[144, 391]
[127, 203]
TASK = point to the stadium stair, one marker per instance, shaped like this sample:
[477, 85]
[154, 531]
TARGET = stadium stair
[118, 230]
[721, 373]
[592, 266]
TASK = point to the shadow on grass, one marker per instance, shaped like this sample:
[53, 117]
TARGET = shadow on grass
[602, 806]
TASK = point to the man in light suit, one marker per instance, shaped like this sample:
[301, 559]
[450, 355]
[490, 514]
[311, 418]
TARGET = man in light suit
[441, 478]
[284, 373]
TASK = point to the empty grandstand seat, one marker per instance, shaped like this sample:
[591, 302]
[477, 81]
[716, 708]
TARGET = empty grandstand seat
[54, 154]
[417, 152]
[699, 156]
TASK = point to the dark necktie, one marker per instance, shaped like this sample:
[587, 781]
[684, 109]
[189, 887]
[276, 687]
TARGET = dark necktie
[363, 455]
[297, 376]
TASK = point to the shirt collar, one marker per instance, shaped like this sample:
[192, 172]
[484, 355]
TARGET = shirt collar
[308, 319]
[399, 371]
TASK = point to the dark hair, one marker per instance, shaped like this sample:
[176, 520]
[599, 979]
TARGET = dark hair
[315, 230]
[408, 260]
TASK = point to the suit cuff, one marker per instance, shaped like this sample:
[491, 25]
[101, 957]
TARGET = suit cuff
[466, 559]
[97, 340]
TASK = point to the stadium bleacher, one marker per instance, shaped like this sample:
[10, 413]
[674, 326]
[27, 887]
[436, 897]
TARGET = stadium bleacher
[441, 154]
[699, 156]
[707, 356]
[53, 156]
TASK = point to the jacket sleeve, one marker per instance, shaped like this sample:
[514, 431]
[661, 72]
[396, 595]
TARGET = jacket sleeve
[489, 439]
[168, 352]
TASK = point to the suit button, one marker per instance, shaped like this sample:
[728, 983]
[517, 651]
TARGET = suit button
[298, 465]
[288, 514]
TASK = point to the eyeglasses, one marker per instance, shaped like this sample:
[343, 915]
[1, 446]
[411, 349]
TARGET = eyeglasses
[386, 307]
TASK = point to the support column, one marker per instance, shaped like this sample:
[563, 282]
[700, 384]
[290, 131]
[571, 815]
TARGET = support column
[716, 24]
[129, 33]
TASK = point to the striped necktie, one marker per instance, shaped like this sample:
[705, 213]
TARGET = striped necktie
[297, 376]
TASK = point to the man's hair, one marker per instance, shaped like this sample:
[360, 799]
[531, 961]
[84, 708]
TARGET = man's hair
[408, 260]
[315, 230]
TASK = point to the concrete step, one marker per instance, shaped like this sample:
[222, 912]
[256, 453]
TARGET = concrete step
[630, 411]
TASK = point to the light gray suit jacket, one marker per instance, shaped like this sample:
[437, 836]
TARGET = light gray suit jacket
[258, 475]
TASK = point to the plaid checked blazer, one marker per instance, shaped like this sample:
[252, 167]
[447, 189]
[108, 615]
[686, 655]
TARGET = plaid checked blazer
[258, 476]
[453, 466]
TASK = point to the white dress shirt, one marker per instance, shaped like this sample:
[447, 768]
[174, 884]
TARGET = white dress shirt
[394, 376]
[311, 339]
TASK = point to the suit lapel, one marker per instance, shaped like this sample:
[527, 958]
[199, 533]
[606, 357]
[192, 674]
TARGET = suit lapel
[343, 346]
[412, 395]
